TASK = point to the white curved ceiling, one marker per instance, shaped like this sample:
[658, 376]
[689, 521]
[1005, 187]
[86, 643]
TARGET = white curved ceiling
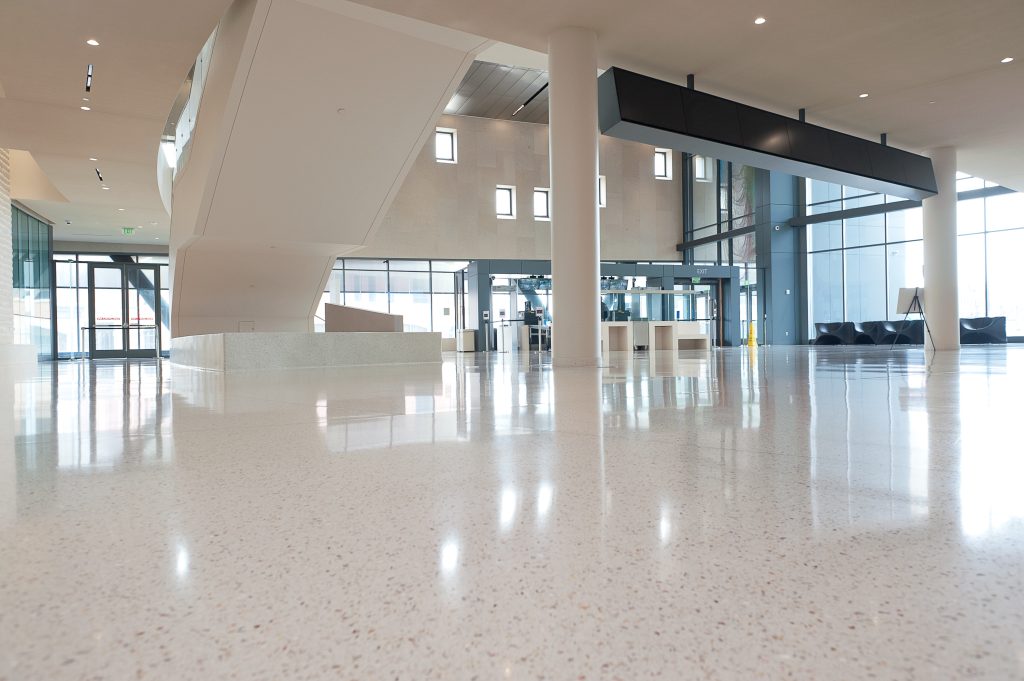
[146, 49]
[816, 54]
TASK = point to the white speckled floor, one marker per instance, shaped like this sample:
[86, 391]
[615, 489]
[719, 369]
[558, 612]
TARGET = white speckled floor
[795, 514]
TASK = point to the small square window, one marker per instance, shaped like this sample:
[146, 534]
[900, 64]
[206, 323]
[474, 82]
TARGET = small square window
[505, 202]
[702, 168]
[602, 192]
[663, 164]
[541, 204]
[445, 146]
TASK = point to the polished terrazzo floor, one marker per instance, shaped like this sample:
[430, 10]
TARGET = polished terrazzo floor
[783, 514]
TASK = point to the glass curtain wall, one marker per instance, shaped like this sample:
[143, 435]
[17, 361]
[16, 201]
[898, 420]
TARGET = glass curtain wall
[856, 266]
[32, 279]
[424, 292]
[723, 200]
[72, 278]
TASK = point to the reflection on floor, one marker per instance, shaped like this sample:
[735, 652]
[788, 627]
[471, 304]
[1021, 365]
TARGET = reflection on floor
[834, 513]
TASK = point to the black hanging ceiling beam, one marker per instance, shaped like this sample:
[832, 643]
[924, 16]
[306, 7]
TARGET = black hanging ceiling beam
[643, 109]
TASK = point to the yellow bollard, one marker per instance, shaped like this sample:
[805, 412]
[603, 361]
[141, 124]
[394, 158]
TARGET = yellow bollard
[752, 336]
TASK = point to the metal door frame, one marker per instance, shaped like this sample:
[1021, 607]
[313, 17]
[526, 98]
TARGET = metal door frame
[713, 297]
[126, 326]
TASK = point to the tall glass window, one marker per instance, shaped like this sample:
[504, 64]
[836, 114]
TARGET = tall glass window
[32, 279]
[424, 292]
[825, 279]
[865, 283]
[971, 275]
[904, 269]
[724, 199]
[1004, 299]
[856, 266]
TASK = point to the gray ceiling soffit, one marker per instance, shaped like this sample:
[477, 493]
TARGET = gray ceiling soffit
[643, 109]
[496, 91]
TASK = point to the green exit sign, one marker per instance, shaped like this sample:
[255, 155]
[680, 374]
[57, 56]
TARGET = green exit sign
[695, 280]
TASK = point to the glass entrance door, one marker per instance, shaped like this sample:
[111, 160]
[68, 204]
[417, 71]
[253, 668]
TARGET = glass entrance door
[123, 302]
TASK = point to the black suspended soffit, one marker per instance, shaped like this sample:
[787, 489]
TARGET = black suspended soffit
[643, 109]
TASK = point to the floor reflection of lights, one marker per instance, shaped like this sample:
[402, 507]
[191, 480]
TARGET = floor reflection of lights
[728, 515]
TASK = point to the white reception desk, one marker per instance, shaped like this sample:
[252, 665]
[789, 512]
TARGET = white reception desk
[654, 336]
[671, 335]
[617, 336]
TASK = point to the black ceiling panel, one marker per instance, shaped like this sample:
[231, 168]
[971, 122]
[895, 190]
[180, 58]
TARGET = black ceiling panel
[850, 153]
[918, 170]
[653, 101]
[764, 130]
[711, 118]
[809, 143]
[887, 162]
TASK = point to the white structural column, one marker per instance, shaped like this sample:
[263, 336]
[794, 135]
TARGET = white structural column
[940, 242]
[575, 243]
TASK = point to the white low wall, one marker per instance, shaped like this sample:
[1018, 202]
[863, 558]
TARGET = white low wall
[18, 355]
[251, 351]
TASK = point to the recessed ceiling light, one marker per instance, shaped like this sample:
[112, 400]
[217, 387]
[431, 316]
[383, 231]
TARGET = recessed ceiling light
[760, 20]
[92, 41]
[85, 108]
[93, 158]
[85, 99]
[153, 223]
[863, 95]
[1006, 60]
[106, 187]
[120, 209]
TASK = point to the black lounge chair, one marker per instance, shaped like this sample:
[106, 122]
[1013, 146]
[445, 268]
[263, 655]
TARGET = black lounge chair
[833, 333]
[982, 330]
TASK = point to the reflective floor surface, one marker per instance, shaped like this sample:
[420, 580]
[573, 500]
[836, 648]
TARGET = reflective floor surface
[838, 513]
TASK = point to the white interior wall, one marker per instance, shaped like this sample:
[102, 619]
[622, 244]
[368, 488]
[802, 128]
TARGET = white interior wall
[447, 210]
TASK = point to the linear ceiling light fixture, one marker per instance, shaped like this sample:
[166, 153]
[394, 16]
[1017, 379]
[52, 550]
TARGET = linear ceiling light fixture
[88, 79]
[527, 102]
[760, 20]
[93, 42]
[1006, 60]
